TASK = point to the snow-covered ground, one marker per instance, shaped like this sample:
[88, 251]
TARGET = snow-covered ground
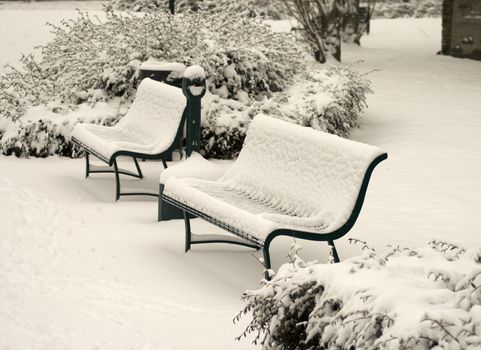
[78, 270]
[426, 113]
[23, 25]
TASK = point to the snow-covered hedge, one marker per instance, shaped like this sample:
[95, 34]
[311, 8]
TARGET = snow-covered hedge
[426, 298]
[413, 8]
[330, 100]
[91, 61]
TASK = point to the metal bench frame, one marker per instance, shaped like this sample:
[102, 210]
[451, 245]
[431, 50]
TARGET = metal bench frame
[248, 240]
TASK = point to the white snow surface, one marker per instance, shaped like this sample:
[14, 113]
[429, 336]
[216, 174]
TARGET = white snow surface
[73, 279]
[149, 127]
[57, 5]
[194, 72]
[286, 177]
[195, 166]
[23, 25]
[78, 271]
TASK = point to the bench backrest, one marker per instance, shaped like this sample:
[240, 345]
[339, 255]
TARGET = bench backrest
[155, 115]
[300, 171]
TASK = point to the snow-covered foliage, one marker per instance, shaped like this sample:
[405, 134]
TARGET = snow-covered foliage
[321, 25]
[137, 5]
[42, 132]
[413, 8]
[403, 299]
[330, 100]
[274, 9]
[91, 61]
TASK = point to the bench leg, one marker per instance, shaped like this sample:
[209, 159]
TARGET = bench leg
[267, 258]
[267, 262]
[188, 232]
[87, 164]
[139, 171]
[117, 181]
[94, 169]
[118, 171]
[191, 238]
[333, 251]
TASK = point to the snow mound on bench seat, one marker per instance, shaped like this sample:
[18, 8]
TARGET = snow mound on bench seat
[195, 166]
[149, 127]
[286, 176]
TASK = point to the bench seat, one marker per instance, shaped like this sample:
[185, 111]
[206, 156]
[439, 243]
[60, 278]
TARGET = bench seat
[251, 218]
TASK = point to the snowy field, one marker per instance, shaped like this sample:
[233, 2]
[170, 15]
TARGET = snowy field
[79, 271]
[23, 24]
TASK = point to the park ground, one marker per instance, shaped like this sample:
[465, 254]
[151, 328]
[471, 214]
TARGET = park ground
[81, 271]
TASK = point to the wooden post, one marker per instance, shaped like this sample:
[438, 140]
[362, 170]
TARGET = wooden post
[172, 6]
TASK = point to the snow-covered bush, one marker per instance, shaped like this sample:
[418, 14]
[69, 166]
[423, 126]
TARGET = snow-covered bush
[413, 8]
[426, 298]
[330, 100]
[91, 60]
[40, 139]
[42, 132]
[429, 8]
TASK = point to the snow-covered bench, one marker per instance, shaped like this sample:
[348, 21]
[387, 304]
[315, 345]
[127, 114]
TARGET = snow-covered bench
[288, 180]
[151, 129]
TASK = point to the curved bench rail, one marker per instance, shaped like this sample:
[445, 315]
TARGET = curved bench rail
[330, 237]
